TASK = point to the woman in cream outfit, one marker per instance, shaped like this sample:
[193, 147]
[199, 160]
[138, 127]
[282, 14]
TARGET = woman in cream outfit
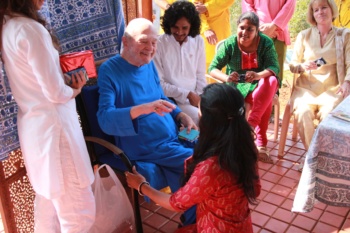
[318, 89]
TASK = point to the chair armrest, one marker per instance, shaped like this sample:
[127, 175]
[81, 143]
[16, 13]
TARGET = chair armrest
[113, 148]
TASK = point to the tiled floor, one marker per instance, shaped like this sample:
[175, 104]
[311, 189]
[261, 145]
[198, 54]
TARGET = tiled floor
[272, 214]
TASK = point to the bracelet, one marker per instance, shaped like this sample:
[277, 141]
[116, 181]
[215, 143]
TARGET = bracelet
[140, 186]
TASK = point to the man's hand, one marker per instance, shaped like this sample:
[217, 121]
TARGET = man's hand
[211, 37]
[186, 121]
[193, 98]
[269, 29]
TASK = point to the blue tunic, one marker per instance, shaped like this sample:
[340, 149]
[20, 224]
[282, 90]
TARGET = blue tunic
[150, 138]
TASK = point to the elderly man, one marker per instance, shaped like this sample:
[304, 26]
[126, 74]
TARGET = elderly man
[134, 109]
[182, 75]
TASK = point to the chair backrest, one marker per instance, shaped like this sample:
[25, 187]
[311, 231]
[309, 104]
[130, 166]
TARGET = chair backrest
[87, 106]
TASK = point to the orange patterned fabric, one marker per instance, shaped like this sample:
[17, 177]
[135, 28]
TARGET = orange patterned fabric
[221, 203]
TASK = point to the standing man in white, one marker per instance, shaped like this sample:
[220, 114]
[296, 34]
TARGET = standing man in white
[180, 57]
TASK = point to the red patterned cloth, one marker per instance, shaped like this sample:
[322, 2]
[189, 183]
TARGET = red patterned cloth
[221, 203]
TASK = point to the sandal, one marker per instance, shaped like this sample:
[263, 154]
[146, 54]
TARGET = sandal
[264, 155]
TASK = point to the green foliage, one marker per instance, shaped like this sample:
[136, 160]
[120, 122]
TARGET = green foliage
[296, 24]
[298, 21]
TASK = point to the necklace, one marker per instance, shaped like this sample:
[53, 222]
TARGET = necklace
[341, 24]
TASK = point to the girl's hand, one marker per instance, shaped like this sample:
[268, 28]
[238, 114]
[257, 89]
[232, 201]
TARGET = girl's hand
[134, 179]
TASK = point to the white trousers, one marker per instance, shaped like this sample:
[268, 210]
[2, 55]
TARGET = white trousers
[74, 211]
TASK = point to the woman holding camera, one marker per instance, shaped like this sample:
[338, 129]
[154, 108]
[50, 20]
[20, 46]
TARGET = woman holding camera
[321, 60]
[251, 64]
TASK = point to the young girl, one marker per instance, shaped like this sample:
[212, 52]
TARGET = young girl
[221, 177]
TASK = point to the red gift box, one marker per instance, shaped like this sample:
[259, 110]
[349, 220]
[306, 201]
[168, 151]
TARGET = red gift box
[74, 60]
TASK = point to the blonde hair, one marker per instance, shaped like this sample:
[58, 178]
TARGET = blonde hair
[310, 15]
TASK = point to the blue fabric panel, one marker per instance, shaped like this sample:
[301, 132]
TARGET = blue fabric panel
[96, 25]
[9, 140]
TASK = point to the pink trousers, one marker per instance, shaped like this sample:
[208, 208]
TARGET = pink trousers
[261, 105]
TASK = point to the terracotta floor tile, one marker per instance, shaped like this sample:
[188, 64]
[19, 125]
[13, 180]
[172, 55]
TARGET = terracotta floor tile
[150, 206]
[342, 211]
[304, 222]
[293, 174]
[274, 199]
[284, 163]
[259, 219]
[156, 221]
[284, 215]
[264, 166]
[294, 229]
[320, 205]
[278, 170]
[266, 185]
[314, 214]
[272, 177]
[287, 204]
[148, 229]
[331, 219]
[281, 190]
[276, 225]
[291, 157]
[346, 226]
[265, 231]
[256, 228]
[297, 151]
[169, 226]
[288, 182]
[324, 228]
[166, 213]
[266, 208]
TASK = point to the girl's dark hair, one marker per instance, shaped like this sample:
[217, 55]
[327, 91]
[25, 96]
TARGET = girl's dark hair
[176, 11]
[224, 132]
[251, 16]
[23, 7]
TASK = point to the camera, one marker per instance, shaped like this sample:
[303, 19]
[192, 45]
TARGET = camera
[241, 78]
[320, 62]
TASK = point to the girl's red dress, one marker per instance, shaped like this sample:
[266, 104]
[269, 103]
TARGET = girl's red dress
[221, 203]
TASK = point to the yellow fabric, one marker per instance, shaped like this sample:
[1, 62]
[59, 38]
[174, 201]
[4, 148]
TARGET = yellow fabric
[217, 18]
[343, 19]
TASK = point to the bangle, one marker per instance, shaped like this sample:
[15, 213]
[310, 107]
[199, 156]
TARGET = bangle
[140, 186]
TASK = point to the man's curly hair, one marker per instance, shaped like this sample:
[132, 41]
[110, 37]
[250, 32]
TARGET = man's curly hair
[180, 9]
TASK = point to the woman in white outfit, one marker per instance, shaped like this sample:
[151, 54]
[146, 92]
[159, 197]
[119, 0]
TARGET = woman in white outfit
[51, 140]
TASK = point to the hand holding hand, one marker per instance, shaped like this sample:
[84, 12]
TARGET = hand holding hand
[211, 37]
[269, 29]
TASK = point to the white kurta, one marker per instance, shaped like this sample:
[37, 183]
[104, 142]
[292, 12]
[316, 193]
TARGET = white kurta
[46, 108]
[181, 68]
